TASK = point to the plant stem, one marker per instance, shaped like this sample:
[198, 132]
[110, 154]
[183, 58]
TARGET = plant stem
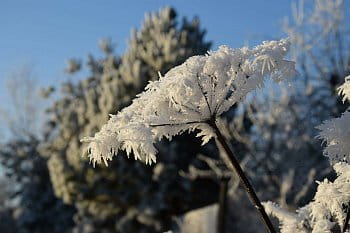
[243, 178]
[346, 223]
[221, 221]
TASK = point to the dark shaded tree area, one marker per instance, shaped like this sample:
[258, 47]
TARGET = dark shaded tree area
[34, 206]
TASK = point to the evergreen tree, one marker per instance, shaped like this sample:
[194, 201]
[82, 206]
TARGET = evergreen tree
[29, 204]
[126, 196]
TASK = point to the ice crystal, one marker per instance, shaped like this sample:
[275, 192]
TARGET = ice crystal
[187, 97]
[344, 89]
[336, 132]
[324, 213]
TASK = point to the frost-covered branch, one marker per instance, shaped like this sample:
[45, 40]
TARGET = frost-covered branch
[208, 84]
[324, 213]
[211, 85]
[330, 208]
[217, 170]
[336, 132]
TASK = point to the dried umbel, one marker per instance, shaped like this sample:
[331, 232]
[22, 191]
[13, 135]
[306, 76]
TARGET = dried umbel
[187, 97]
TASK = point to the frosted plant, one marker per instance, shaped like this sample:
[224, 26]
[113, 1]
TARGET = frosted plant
[191, 96]
[344, 89]
[336, 132]
[289, 122]
[329, 209]
[325, 213]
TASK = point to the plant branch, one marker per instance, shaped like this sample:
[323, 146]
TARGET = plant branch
[221, 218]
[176, 123]
[243, 178]
[203, 93]
[187, 107]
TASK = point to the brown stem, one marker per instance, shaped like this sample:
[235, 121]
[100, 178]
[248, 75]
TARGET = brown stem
[176, 123]
[346, 223]
[243, 178]
[221, 221]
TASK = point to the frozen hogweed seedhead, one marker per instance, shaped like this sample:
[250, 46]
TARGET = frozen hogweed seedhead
[325, 213]
[336, 132]
[187, 97]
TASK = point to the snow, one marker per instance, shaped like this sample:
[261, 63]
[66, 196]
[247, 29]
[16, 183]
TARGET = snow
[187, 97]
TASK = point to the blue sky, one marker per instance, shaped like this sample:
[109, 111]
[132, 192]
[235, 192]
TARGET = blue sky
[45, 33]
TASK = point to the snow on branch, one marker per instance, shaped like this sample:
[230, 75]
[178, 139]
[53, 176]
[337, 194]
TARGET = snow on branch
[336, 132]
[325, 213]
[344, 89]
[328, 212]
[187, 97]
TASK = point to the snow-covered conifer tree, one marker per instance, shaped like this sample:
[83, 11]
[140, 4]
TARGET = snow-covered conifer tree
[153, 194]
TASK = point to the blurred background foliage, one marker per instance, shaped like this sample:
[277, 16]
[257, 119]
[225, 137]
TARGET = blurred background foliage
[49, 186]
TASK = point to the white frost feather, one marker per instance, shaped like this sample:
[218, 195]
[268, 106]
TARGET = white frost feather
[186, 97]
[344, 89]
[324, 212]
[336, 132]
